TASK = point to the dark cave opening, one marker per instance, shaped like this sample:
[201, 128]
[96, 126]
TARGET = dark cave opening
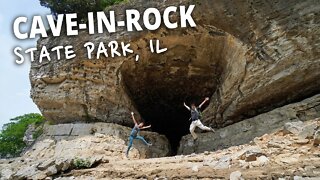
[168, 118]
[159, 84]
[163, 109]
[158, 95]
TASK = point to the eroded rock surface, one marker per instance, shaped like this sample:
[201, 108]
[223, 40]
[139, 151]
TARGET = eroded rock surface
[271, 156]
[290, 116]
[249, 56]
[65, 134]
[61, 146]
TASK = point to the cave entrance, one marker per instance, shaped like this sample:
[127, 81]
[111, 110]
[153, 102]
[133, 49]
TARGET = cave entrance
[160, 102]
[159, 84]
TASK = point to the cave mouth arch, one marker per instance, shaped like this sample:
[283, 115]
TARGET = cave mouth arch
[160, 103]
[189, 71]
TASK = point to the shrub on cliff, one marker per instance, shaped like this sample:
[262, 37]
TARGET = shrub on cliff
[81, 7]
[11, 136]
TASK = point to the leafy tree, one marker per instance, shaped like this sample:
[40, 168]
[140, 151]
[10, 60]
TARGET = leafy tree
[11, 136]
[81, 7]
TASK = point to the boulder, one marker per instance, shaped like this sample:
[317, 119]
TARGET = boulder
[63, 162]
[41, 149]
[236, 175]
[251, 154]
[245, 131]
[210, 162]
[52, 170]
[305, 178]
[293, 127]
[195, 168]
[287, 158]
[316, 141]
[223, 163]
[303, 130]
[45, 164]
[6, 173]
[29, 172]
[308, 130]
[302, 141]
[261, 161]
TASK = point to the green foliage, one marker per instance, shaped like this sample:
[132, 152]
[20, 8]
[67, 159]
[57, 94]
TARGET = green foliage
[81, 7]
[11, 136]
[37, 133]
[80, 163]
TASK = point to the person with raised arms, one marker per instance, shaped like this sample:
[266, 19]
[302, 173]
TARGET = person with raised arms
[195, 118]
[135, 133]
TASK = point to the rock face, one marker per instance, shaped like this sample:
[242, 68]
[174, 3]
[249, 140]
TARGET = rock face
[248, 161]
[316, 138]
[245, 131]
[28, 135]
[65, 147]
[67, 135]
[249, 56]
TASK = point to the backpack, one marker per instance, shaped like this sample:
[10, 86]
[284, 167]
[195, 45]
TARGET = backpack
[199, 112]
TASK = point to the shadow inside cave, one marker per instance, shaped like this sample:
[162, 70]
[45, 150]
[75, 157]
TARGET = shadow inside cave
[190, 70]
[158, 95]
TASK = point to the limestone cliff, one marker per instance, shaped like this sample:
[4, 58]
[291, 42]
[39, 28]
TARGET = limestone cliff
[248, 56]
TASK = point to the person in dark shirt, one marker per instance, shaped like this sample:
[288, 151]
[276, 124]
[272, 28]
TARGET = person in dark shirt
[195, 118]
[135, 133]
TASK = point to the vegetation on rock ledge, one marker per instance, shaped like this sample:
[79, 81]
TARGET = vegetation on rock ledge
[11, 136]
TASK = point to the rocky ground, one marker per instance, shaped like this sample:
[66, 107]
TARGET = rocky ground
[290, 153]
[64, 147]
[287, 154]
